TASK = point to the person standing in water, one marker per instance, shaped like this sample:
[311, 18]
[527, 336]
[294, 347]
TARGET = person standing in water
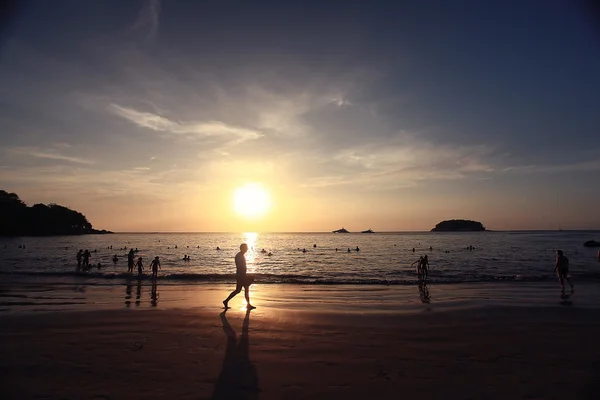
[86, 259]
[242, 279]
[424, 267]
[562, 271]
[79, 256]
[130, 262]
[418, 264]
[155, 265]
[140, 266]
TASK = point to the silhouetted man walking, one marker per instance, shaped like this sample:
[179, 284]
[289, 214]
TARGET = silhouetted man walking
[242, 280]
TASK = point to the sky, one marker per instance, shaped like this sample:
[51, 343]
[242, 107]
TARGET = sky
[148, 115]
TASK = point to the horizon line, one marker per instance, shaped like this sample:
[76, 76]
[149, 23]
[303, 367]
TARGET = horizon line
[322, 232]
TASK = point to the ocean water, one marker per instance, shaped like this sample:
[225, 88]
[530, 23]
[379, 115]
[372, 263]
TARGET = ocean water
[384, 258]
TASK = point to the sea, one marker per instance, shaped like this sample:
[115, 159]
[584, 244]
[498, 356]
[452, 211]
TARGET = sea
[382, 258]
[356, 260]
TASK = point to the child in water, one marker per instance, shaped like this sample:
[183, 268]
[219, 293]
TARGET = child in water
[155, 265]
[139, 266]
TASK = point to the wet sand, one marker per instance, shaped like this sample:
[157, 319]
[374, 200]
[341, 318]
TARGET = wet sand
[277, 352]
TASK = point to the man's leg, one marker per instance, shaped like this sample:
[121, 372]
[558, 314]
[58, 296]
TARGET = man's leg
[247, 295]
[570, 283]
[238, 288]
[562, 283]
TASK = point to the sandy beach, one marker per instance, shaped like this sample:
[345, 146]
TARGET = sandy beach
[276, 351]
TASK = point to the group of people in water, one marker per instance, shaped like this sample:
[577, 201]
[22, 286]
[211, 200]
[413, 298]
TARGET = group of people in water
[243, 281]
[83, 262]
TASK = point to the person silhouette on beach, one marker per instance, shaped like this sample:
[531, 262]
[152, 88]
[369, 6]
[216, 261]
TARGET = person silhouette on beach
[79, 256]
[115, 259]
[562, 271]
[130, 262]
[139, 266]
[238, 378]
[242, 279]
[155, 266]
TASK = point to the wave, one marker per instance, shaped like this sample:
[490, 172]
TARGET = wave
[99, 278]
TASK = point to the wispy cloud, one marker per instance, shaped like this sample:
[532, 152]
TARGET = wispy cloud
[49, 154]
[585, 166]
[402, 162]
[148, 19]
[201, 128]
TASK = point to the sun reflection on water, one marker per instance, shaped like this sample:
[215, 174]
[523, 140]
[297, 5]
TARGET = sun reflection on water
[250, 238]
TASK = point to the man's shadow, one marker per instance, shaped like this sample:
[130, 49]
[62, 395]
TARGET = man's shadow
[238, 378]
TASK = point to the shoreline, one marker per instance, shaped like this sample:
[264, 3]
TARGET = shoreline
[37, 297]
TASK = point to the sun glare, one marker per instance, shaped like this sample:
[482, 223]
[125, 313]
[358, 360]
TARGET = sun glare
[251, 201]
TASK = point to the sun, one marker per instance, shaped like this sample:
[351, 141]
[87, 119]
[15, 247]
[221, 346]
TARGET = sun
[251, 201]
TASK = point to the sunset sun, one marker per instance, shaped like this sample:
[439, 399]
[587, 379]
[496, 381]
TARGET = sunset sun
[251, 201]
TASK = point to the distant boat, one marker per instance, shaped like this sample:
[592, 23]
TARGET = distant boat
[367, 231]
[343, 230]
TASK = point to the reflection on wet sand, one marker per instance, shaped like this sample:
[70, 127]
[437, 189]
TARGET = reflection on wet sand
[238, 378]
[154, 295]
[138, 292]
[565, 299]
[424, 292]
[128, 293]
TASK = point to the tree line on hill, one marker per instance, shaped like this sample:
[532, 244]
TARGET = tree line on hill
[17, 219]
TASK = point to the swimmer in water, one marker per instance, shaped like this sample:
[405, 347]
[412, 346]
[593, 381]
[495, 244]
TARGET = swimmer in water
[140, 266]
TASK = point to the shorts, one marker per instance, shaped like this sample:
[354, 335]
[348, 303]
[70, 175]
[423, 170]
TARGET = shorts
[244, 280]
[563, 272]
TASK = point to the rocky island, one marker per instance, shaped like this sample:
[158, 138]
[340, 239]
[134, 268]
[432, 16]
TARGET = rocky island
[17, 219]
[459, 225]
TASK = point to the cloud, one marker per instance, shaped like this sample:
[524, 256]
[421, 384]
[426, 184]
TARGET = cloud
[402, 162]
[148, 19]
[585, 166]
[49, 154]
[209, 128]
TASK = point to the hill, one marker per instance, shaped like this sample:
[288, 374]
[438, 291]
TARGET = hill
[17, 219]
[459, 225]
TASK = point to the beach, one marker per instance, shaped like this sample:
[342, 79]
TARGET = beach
[333, 346]
[490, 323]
